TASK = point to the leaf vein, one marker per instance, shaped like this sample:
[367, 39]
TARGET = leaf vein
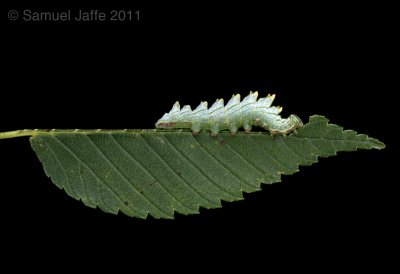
[312, 144]
[176, 175]
[267, 153]
[329, 139]
[148, 172]
[292, 151]
[156, 207]
[83, 184]
[63, 169]
[93, 173]
[244, 159]
[196, 167]
[225, 167]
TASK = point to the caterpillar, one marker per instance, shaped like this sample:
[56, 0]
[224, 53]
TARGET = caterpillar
[246, 113]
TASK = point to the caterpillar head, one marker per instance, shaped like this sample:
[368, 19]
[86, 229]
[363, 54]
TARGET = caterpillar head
[295, 121]
[175, 118]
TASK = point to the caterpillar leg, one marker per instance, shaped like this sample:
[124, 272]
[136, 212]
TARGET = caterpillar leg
[215, 127]
[247, 126]
[195, 129]
[273, 132]
[233, 129]
[214, 134]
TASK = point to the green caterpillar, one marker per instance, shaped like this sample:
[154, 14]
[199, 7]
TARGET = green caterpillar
[234, 115]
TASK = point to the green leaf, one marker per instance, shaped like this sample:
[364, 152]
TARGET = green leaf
[141, 172]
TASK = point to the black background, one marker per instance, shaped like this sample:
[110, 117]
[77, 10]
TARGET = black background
[332, 60]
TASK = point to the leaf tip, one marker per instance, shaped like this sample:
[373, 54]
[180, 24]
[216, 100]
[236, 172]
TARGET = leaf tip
[376, 144]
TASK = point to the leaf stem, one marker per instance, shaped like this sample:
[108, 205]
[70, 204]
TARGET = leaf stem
[17, 133]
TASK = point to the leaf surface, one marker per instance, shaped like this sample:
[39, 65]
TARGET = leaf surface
[141, 172]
